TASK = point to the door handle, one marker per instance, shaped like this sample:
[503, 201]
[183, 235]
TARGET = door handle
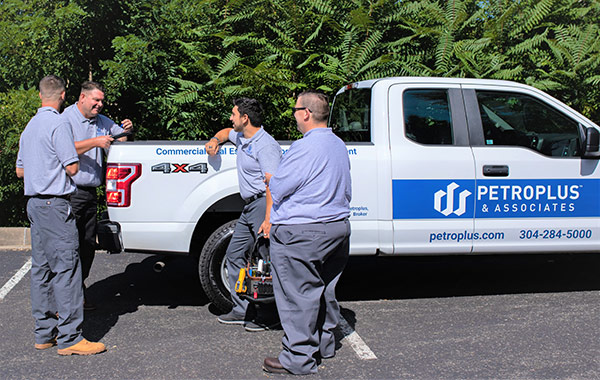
[495, 170]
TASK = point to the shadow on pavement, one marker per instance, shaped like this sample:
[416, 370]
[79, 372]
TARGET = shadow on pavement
[375, 278]
[177, 285]
[365, 278]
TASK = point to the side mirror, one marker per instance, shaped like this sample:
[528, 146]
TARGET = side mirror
[592, 143]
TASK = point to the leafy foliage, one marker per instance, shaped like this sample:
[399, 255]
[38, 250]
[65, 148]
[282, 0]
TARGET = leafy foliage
[173, 66]
[16, 108]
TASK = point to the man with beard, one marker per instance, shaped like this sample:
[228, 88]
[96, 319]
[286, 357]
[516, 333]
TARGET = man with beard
[257, 153]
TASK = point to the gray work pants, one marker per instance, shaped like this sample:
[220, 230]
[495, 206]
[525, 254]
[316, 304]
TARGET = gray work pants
[308, 260]
[244, 237]
[55, 272]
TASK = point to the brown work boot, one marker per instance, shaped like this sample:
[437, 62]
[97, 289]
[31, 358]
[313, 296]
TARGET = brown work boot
[43, 346]
[84, 347]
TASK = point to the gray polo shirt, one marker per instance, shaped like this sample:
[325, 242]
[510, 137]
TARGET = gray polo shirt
[256, 156]
[90, 163]
[46, 147]
[312, 183]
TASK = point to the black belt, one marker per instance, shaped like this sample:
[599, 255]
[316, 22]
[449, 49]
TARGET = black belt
[253, 198]
[89, 189]
[64, 196]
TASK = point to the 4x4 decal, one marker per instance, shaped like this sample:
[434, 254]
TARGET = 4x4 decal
[165, 168]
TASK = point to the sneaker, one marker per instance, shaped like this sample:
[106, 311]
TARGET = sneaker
[43, 346]
[84, 347]
[231, 319]
[255, 326]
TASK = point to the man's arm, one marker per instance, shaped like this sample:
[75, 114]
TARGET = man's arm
[95, 142]
[212, 146]
[289, 177]
[265, 227]
[72, 169]
[19, 165]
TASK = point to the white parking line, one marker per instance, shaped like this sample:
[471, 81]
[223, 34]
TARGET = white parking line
[358, 345]
[15, 279]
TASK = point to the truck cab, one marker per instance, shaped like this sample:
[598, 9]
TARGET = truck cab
[461, 166]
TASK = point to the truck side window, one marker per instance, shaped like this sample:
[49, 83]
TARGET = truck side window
[351, 115]
[427, 118]
[518, 119]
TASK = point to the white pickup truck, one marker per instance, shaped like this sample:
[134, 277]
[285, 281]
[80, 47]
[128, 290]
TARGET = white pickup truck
[439, 166]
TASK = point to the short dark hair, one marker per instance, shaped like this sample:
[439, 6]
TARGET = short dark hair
[318, 104]
[89, 85]
[51, 87]
[250, 107]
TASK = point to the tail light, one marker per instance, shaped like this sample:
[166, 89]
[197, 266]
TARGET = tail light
[119, 178]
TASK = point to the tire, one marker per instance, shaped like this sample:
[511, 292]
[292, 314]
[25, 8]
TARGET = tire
[212, 267]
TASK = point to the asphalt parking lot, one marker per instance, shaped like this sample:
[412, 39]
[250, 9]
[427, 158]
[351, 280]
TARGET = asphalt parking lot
[535, 317]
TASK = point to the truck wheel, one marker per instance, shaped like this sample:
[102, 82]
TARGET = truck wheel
[212, 267]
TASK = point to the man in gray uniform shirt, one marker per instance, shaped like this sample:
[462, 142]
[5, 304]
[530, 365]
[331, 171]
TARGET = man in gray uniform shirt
[92, 133]
[311, 193]
[257, 153]
[47, 160]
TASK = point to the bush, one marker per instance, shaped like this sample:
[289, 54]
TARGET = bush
[17, 107]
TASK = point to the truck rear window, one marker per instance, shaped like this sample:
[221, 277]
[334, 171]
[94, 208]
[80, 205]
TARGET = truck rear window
[427, 118]
[351, 115]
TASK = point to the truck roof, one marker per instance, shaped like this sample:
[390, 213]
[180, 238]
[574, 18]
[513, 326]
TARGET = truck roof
[370, 83]
[424, 80]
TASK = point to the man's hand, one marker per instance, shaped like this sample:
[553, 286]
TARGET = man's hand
[20, 173]
[265, 228]
[103, 141]
[127, 125]
[212, 147]
[268, 178]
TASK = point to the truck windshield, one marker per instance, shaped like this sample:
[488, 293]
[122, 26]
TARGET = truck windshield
[351, 115]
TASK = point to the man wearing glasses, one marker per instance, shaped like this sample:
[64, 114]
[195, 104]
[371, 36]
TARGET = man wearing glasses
[311, 192]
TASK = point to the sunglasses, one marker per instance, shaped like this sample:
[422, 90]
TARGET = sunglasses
[294, 109]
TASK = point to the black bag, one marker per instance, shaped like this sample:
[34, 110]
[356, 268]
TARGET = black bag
[255, 282]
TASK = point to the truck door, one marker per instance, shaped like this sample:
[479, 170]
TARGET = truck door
[432, 169]
[534, 191]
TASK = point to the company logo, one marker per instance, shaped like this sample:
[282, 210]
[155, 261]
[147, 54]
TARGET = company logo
[452, 198]
[449, 196]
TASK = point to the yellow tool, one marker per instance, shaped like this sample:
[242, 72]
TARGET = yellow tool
[240, 285]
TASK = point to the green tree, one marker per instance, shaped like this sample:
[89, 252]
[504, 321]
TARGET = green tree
[173, 66]
[16, 108]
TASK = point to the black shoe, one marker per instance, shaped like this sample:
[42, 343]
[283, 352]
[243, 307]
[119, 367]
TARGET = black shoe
[88, 306]
[255, 326]
[272, 365]
[231, 319]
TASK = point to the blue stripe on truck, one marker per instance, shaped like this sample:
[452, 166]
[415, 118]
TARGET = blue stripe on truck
[497, 198]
